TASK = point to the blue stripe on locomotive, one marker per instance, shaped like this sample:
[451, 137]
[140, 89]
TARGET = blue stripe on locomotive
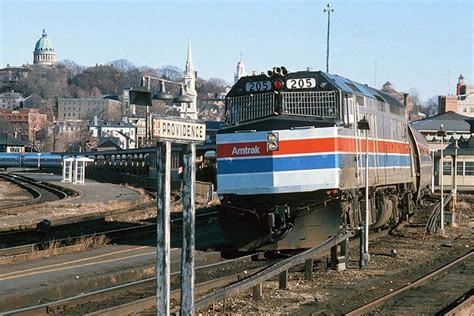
[330, 161]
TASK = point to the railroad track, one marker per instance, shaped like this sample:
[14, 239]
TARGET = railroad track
[39, 191]
[438, 292]
[434, 220]
[114, 235]
[239, 267]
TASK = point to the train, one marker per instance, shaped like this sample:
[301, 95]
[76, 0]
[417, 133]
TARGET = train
[30, 160]
[291, 160]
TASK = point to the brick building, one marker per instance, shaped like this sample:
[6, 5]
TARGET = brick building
[85, 109]
[25, 123]
[462, 102]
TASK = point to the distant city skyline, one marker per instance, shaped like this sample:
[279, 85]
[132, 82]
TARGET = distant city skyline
[413, 44]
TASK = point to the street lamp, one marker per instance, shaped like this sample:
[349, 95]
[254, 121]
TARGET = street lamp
[363, 125]
[142, 96]
[442, 133]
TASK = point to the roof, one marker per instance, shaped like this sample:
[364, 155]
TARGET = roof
[352, 87]
[465, 148]
[44, 43]
[11, 141]
[111, 97]
[114, 124]
[214, 125]
[107, 142]
[452, 122]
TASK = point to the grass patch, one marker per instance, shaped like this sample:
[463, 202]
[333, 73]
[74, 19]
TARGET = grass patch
[55, 247]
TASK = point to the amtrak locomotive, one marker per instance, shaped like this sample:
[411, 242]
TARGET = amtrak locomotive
[291, 161]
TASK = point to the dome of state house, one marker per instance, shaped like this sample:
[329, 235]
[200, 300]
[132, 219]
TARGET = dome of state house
[44, 51]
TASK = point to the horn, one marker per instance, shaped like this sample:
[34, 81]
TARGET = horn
[277, 70]
[270, 73]
[284, 71]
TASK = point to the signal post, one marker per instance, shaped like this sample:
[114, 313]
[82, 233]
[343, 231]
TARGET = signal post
[188, 133]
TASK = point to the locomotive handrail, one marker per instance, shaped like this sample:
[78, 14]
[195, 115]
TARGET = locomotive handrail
[273, 271]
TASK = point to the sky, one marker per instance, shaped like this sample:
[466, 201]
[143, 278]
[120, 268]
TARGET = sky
[423, 45]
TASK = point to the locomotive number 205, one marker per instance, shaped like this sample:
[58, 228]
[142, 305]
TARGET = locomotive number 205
[258, 86]
[301, 83]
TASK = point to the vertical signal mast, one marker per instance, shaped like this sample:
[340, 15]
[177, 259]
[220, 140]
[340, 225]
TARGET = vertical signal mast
[328, 9]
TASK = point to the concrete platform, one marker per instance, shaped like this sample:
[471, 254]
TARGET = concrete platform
[91, 191]
[95, 198]
[38, 281]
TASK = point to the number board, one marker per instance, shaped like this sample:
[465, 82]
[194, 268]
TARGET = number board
[255, 86]
[301, 83]
[170, 129]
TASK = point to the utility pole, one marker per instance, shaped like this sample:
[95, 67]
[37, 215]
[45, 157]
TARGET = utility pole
[328, 10]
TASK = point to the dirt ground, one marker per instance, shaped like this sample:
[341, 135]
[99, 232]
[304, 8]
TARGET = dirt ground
[333, 292]
[10, 193]
[27, 216]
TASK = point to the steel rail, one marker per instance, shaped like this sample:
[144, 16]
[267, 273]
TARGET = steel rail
[115, 234]
[29, 188]
[54, 190]
[383, 299]
[461, 306]
[107, 292]
[272, 271]
[431, 224]
[150, 302]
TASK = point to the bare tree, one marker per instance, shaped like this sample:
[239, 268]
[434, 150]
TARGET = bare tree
[123, 65]
[430, 107]
[415, 100]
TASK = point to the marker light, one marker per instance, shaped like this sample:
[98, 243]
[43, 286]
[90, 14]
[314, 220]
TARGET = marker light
[277, 84]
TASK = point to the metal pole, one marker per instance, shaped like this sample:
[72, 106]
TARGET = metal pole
[433, 171]
[455, 182]
[328, 10]
[366, 194]
[361, 245]
[163, 156]
[187, 250]
[147, 111]
[442, 187]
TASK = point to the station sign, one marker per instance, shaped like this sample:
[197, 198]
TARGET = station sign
[176, 129]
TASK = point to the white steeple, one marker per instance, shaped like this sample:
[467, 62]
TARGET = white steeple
[190, 109]
[189, 68]
[240, 70]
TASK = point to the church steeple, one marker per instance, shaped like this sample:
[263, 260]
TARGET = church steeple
[189, 61]
[190, 110]
[240, 70]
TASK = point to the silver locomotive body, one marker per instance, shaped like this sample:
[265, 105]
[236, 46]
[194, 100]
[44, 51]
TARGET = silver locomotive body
[291, 163]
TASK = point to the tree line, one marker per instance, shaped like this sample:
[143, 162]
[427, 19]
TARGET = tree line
[68, 79]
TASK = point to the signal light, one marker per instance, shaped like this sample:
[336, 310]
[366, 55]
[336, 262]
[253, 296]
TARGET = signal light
[277, 84]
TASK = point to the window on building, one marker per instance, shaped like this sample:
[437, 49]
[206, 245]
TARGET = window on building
[459, 165]
[447, 168]
[472, 110]
[469, 168]
[464, 110]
